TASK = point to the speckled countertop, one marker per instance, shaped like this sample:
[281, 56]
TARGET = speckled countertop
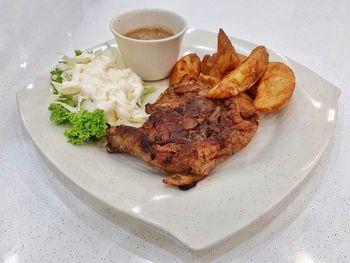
[40, 221]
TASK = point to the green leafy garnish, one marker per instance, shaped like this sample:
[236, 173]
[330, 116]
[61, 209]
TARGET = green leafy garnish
[87, 126]
[59, 114]
[54, 90]
[78, 52]
[56, 75]
[65, 99]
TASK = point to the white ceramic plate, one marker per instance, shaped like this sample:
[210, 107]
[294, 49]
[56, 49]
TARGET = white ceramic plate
[238, 194]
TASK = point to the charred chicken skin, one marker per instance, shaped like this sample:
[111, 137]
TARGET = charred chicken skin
[187, 134]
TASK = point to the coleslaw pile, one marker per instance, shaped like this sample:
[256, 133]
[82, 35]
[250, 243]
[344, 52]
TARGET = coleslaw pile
[96, 86]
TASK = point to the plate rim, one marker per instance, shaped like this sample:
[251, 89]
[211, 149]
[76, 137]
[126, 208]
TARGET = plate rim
[150, 222]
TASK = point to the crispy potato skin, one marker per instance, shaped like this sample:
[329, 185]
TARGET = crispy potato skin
[243, 77]
[241, 58]
[210, 68]
[212, 81]
[223, 61]
[187, 65]
[252, 91]
[275, 88]
[226, 57]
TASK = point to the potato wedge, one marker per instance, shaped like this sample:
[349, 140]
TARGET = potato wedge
[187, 65]
[226, 57]
[241, 58]
[212, 81]
[243, 77]
[275, 88]
[210, 68]
[252, 91]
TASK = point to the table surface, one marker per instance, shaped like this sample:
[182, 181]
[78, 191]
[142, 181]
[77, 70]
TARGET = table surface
[41, 221]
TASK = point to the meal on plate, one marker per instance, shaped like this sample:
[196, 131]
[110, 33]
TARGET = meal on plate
[209, 111]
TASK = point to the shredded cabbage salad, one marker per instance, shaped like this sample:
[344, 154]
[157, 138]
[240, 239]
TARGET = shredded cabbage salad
[90, 83]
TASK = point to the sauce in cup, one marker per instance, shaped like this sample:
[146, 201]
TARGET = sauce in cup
[149, 33]
[149, 41]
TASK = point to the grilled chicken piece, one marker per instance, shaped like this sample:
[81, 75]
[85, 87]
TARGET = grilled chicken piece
[187, 134]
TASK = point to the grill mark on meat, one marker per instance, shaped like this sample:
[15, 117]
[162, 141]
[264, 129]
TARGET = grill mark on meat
[146, 145]
[167, 159]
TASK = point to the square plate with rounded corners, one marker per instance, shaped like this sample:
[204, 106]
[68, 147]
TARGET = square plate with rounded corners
[234, 197]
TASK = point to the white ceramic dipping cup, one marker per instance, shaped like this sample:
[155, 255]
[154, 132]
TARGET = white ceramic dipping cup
[150, 59]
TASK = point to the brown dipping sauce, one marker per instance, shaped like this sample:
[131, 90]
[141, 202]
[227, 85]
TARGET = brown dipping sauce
[149, 33]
